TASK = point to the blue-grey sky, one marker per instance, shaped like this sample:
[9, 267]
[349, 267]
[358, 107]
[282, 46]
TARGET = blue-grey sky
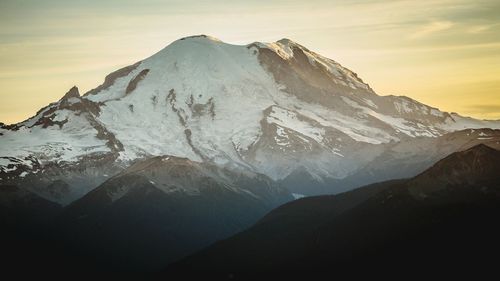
[445, 53]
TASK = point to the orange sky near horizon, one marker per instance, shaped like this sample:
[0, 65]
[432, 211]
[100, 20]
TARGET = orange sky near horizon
[443, 53]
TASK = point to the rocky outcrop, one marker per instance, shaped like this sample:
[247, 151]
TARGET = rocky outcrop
[133, 83]
[111, 78]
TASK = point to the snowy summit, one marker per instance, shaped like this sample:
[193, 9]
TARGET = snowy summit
[272, 108]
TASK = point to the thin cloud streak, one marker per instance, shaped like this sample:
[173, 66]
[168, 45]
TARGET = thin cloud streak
[486, 108]
[431, 28]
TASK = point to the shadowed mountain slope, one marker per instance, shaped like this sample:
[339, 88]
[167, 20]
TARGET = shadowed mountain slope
[443, 219]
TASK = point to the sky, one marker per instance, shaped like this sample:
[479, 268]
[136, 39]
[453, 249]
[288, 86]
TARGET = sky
[444, 53]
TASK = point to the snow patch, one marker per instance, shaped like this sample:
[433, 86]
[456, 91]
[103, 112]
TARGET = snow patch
[53, 144]
[370, 103]
[290, 120]
[436, 112]
[402, 106]
[298, 196]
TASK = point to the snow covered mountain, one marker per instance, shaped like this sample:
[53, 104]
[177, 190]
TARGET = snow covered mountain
[272, 108]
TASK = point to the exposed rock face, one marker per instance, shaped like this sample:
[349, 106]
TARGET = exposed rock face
[133, 83]
[72, 93]
[111, 78]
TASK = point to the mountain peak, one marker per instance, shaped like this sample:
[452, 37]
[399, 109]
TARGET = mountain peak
[477, 156]
[473, 166]
[286, 41]
[481, 149]
[290, 43]
[72, 93]
[201, 37]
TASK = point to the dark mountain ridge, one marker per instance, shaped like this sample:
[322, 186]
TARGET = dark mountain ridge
[443, 219]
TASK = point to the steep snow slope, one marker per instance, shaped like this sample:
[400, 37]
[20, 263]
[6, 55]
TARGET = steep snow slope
[61, 153]
[60, 132]
[206, 100]
[272, 108]
[214, 90]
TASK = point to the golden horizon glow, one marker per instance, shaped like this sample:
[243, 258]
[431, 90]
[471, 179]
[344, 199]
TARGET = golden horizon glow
[443, 53]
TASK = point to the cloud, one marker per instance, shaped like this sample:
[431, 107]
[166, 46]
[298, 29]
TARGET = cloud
[484, 108]
[479, 29]
[431, 28]
[483, 111]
